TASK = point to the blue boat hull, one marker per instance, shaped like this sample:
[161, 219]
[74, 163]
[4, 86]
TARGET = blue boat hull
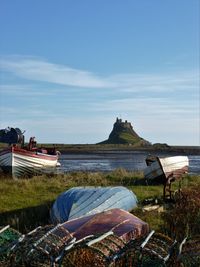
[82, 201]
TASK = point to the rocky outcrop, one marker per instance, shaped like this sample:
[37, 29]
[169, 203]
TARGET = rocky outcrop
[123, 133]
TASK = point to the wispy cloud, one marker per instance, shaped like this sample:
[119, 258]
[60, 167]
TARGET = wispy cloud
[25, 90]
[33, 68]
[157, 82]
[150, 106]
[36, 69]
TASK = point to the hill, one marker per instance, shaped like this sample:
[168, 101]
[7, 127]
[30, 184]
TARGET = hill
[123, 133]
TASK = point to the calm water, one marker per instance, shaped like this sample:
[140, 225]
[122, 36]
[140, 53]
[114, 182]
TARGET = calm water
[109, 161]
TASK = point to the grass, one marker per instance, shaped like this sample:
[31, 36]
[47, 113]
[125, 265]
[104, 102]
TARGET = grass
[25, 203]
[19, 194]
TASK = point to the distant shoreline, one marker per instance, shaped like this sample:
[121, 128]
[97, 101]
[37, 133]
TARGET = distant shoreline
[192, 150]
[108, 148]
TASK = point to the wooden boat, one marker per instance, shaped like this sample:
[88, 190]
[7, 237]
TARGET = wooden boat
[82, 201]
[165, 168]
[20, 160]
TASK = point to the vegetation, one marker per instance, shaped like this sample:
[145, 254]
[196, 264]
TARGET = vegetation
[26, 203]
[184, 218]
[123, 133]
[125, 138]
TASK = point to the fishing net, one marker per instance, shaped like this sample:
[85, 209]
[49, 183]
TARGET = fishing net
[129, 255]
[154, 250]
[157, 251]
[55, 246]
[96, 252]
[8, 238]
[190, 253]
[24, 249]
[40, 247]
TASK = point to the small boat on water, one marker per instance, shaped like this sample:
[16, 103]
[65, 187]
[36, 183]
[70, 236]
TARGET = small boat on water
[19, 160]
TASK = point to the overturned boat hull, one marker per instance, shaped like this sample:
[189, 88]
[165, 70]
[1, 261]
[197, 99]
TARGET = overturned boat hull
[122, 223]
[83, 201]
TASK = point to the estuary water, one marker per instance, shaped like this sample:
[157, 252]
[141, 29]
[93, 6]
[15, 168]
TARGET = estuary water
[111, 160]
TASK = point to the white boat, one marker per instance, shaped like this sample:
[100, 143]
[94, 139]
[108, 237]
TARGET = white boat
[166, 168]
[22, 162]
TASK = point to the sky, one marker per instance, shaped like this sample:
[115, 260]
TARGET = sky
[68, 68]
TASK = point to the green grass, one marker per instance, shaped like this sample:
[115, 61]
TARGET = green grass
[25, 203]
[18, 194]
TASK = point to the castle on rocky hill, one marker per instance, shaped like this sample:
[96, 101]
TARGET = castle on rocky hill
[123, 133]
[124, 126]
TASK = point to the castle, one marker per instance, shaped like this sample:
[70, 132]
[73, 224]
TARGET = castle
[123, 133]
[120, 126]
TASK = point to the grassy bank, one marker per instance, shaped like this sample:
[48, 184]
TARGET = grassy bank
[24, 193]
[25, 203]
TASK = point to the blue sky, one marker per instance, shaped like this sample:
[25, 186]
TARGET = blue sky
[70, 67]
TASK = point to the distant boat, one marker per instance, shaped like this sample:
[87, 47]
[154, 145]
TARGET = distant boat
[164, 168]
[23, 160]
[83, 201]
